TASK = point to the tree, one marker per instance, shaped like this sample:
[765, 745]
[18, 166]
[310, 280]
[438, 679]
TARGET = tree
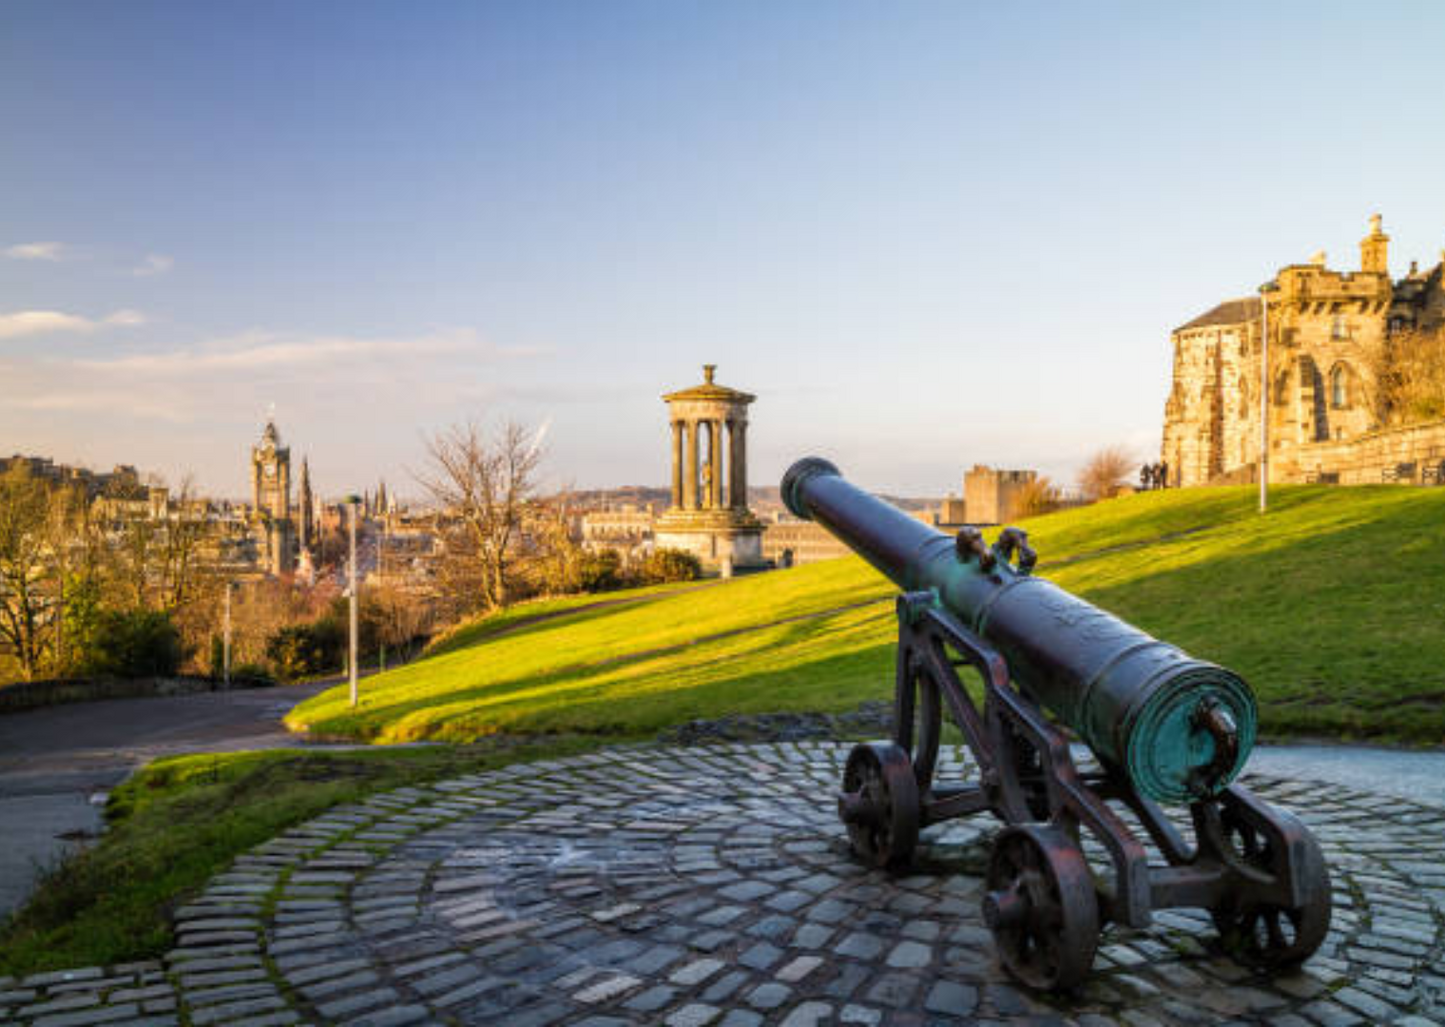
[483, 481]
[1039, 496]
[135, 643]
[1105, 473]
[1408, 368]
[26, 561]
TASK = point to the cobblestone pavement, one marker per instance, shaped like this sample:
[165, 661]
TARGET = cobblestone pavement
[713, 886]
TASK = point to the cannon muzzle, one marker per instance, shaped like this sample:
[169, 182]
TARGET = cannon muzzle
[1179, 727]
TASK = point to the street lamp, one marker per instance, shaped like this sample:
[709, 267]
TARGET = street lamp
[1265, 291]
[351, 502]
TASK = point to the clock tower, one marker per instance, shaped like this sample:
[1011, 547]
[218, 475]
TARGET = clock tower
[271, 499]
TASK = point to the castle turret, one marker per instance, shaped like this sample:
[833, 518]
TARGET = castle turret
[1374, 255]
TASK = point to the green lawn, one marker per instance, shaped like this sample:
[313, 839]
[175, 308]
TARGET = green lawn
[1332, 606]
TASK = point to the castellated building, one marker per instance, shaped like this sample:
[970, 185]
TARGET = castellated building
[1326, 330]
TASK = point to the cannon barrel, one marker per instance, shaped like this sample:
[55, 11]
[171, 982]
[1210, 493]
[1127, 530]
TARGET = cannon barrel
[1180, 728]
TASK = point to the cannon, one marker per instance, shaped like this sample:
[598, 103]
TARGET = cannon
[1163, 727]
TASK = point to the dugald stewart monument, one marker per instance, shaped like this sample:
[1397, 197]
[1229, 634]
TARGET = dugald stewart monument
[1328, 334]
[709, 516]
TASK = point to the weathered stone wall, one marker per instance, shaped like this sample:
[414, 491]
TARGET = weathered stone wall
[993, 496]
[1374, 457]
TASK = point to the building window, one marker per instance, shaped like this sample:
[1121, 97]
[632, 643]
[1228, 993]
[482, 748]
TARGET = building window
[1339, 396]
[1339, 330]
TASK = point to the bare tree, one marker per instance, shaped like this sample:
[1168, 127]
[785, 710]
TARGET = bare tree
[1408, 368]
[1039, 496]
[1105, 473]
[26, 559]
[483, 481]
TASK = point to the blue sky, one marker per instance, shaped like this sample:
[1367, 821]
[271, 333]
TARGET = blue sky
[927, 235]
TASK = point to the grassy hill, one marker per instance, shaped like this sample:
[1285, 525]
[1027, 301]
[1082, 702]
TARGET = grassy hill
[1332, 606]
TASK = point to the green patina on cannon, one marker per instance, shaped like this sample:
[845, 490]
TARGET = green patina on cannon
[1164, 727]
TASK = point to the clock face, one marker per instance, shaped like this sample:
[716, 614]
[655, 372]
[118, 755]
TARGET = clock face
[270, 470]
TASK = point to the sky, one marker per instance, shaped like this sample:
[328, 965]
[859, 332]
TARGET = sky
[925, 235]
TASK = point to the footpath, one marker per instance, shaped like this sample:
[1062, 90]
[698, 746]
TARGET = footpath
[58, 763]
[712, 885]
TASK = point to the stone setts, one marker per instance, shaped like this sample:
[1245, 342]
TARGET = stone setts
[712, 885]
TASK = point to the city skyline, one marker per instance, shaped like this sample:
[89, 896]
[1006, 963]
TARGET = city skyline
[924, 239]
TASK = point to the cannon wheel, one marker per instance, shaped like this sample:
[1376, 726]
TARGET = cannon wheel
[1269, 936]
[918, 720]
[1042, 907]
[879, 804]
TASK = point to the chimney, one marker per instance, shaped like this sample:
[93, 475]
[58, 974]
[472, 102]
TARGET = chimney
[1374, 255]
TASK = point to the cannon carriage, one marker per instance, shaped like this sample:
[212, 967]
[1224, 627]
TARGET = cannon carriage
[1164, 728]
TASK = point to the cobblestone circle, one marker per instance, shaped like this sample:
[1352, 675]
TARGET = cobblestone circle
[713, 885]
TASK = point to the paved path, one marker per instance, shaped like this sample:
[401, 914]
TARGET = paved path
[712, 885]
[56, 763]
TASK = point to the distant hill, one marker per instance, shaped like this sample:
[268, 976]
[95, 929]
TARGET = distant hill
[1330, 606]
[760, 497]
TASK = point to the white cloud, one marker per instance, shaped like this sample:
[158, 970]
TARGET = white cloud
[52, 251]
[126, 318]
[154, 264]
[43, 322]
[337, 355]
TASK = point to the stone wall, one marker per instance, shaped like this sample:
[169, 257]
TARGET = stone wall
[30, 695]
[1409, 455]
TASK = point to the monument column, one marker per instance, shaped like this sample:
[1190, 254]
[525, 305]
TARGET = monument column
[739, 453]
[717, 464]
[689, 470]
[676, 463]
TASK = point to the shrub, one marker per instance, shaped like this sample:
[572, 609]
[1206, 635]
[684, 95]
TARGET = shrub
[301, 650]
[600, 572]
[666, 565]
[134, 644]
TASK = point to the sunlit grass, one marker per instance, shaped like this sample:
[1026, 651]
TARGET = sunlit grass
[1330, 605]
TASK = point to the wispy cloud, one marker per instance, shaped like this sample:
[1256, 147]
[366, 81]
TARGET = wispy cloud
[52, 251]
[338, 374]
[154, 264]
[262, 352]
[45, 322]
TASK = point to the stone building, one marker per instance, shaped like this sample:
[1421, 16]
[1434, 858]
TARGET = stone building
[993, 496]
[709, 515]
[625, 527]
[271, 499]
[1326, 329]
[789, 542]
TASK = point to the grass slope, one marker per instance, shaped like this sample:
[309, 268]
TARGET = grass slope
[1332, 606]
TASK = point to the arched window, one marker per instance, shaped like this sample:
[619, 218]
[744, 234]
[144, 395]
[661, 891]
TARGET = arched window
[1339, 329]
[1339, 387]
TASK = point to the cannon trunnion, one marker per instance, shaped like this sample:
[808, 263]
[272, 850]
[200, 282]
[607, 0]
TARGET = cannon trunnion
[1163, 726]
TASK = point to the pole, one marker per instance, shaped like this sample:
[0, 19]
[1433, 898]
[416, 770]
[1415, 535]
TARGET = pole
[1264, 399]
[60, 623]
[226, 641]
[351, 573]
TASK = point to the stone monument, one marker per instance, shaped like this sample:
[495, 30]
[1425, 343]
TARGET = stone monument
[709, 516]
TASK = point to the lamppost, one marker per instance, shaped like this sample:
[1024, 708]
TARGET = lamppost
[226, 641]
[1265, 291]
[351, 502]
